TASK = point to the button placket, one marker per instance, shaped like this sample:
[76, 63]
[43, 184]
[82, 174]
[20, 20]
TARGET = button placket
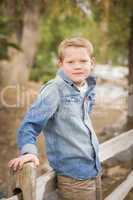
[89, 126]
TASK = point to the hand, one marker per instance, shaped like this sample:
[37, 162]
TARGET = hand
[17, 163]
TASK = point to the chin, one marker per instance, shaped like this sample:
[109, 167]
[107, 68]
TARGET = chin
[79, 80]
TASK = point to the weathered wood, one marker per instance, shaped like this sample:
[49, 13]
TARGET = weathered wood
[25, 180]
[14, 197]
[116, 145]
[46, 184]
[122, 190]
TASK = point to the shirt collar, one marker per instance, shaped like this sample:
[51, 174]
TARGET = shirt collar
[62, 74]
[91, 80]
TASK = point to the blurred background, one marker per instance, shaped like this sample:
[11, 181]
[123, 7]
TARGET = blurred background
[30, 32]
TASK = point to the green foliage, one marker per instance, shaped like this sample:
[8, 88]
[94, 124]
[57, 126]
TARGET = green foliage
[10, 17]
[119, 14]
[61, 21]
[118, 33]
[4, 33]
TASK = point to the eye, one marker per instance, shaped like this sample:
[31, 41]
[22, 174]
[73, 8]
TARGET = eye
[71, 62]
[83, 61]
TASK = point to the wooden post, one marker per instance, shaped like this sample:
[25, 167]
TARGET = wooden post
[23, 182]
[129, 124]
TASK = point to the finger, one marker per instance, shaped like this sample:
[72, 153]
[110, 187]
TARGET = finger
[21, 163]
[24, 160]
[16, 164]
[32, 158]
[11, 162]
[37, 162]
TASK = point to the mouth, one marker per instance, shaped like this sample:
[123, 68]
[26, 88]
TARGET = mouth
[78, 73]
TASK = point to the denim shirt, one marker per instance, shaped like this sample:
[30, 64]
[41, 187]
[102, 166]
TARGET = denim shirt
[63, 116]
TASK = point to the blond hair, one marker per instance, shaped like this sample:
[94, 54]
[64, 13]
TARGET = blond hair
[74, 42]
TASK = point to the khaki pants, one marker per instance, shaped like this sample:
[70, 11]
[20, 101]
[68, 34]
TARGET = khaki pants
[72, 189]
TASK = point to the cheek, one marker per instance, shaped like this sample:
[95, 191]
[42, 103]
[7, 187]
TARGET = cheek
[68, 70]
[87, 71]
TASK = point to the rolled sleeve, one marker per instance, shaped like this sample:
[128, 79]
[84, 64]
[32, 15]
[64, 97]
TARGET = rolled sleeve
[29, 148]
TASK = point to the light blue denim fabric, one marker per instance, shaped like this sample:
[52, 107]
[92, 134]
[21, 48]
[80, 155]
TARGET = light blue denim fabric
[63, 116]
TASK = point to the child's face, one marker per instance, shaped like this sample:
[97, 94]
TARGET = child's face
[76, 64]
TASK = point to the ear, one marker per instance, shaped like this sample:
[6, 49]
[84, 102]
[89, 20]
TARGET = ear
[93, 63]
[59, 62]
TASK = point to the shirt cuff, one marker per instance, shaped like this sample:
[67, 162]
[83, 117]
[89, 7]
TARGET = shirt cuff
[29, 148]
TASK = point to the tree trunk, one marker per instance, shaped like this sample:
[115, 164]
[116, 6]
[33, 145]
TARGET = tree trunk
[105, 4]
[16, 70]
[130, 78]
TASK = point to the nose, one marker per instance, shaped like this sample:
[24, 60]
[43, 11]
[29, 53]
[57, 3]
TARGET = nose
[77, 66]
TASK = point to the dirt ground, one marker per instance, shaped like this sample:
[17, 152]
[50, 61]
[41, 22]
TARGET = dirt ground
[10, 118]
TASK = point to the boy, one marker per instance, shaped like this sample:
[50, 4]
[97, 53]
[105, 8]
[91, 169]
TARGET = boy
[62, 111]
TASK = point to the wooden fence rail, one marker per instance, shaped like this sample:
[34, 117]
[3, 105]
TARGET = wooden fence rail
[44, 187]
[122, 190]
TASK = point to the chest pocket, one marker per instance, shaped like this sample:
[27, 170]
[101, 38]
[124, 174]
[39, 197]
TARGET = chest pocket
[70, 105]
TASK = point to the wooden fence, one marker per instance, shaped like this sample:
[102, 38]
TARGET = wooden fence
[24, 185]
